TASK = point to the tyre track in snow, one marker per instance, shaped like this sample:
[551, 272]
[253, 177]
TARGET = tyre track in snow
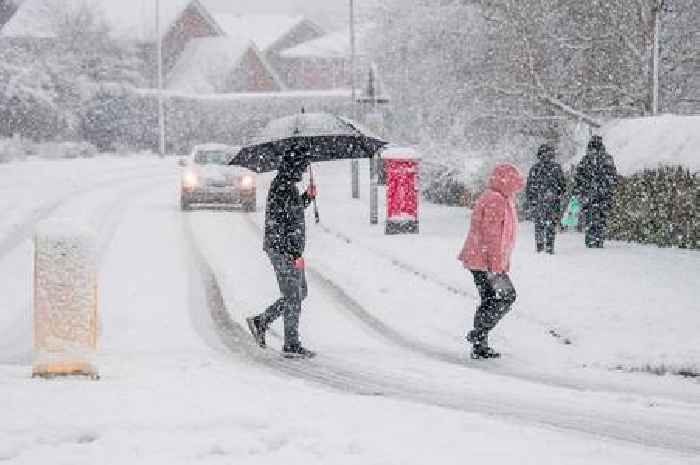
[106, 220]
[388, 333]
[638, 425]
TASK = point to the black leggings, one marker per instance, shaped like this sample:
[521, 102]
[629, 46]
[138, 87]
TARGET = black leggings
[492, 308]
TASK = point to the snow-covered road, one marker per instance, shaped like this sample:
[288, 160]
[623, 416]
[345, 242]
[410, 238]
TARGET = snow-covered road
[182, 382]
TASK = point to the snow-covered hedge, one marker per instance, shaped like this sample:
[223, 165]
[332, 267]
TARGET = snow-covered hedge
[59, 150]
[130, 119]
[12, 149]
[660, 206]
[17, 148]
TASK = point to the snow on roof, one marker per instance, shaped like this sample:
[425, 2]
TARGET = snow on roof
[333, 45]
[394, 152]
[264, 30]
[127, 19]
[339, 94]
[640, 143]
[206, 63]
[212, 147]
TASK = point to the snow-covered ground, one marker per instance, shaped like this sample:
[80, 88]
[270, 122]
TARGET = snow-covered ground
[182, 381]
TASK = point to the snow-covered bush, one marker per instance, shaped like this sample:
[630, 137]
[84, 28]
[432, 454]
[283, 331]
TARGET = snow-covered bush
[64, 150]
[14, 148]
[660, 206]
[191, 120]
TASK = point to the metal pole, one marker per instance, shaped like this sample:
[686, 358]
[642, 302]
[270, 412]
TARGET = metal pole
[373, 192]
[354, 164]
[655, 59]
[373, 166]
[161, 107]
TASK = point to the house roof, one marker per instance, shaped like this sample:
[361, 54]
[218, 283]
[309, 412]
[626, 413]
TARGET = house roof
[206, 63]
[333, 45]
[264, 30]
[127, 19]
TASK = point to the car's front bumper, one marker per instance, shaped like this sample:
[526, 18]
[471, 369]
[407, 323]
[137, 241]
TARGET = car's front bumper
[219, 195]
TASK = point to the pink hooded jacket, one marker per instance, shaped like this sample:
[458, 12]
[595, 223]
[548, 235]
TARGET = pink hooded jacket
[494, 223]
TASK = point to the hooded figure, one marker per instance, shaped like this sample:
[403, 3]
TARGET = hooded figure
[284, 243]
[594, 185]
[487, 251]
[545, 187]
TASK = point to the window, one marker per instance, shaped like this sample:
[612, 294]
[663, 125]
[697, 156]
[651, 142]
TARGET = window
[211, 157]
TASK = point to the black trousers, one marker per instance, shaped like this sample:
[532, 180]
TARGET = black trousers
[494, 306]
[292, 284]
[545, 231]
[596, 216]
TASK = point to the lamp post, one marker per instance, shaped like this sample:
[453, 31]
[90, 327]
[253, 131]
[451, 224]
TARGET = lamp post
[161, 107]
[660, 6]
[354, 164]
[375, 121]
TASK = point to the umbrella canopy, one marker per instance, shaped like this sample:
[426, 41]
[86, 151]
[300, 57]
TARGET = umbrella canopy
[327, 137]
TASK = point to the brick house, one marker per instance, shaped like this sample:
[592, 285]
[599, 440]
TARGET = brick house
[322, 63]
[128, 20]
[273, 34]
[216, 53]
[220, 65]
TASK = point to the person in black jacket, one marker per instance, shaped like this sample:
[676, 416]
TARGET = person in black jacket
[545, 186]
[594, 185]
[284, 243]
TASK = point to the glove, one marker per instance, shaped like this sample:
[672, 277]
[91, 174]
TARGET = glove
[311, 191]
[299, 263]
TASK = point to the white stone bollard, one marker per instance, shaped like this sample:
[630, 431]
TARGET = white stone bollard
[65, 300]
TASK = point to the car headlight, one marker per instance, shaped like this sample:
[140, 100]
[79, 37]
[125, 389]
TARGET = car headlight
[247, 182]
[190, 180]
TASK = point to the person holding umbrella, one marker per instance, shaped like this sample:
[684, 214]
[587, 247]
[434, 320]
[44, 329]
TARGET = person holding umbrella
[289, 144]
[284, 243]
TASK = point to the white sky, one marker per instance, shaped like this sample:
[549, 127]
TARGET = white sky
[330, 14]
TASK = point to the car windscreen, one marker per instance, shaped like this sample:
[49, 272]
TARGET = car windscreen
[211, 157]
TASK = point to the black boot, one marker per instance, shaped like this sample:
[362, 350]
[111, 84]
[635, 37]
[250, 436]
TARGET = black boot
[539, 247]
[297, 351]
[257, 329]
[483, 351]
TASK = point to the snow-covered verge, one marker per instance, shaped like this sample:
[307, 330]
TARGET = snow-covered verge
[639, 143]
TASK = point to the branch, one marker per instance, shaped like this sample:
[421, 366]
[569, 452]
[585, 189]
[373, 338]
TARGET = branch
[555, 102]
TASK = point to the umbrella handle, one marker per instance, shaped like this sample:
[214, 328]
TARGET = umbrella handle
[311, 180]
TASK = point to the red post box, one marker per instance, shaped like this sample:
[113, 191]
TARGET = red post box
[401, 165]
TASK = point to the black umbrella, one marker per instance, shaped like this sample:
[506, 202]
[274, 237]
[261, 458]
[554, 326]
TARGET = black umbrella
[327, 137]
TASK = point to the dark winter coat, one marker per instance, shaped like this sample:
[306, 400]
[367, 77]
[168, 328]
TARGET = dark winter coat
[596, 178]
[285, 226]
[546, 185]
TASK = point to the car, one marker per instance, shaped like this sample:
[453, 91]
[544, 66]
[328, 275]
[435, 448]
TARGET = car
[209, 181]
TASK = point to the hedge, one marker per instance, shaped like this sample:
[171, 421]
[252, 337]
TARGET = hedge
[659, 206]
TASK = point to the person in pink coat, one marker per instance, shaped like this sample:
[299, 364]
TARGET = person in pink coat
[487, 251]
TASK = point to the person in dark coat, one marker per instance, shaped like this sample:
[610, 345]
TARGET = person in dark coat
[545, 186]
[594, 185]
[284, 243]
